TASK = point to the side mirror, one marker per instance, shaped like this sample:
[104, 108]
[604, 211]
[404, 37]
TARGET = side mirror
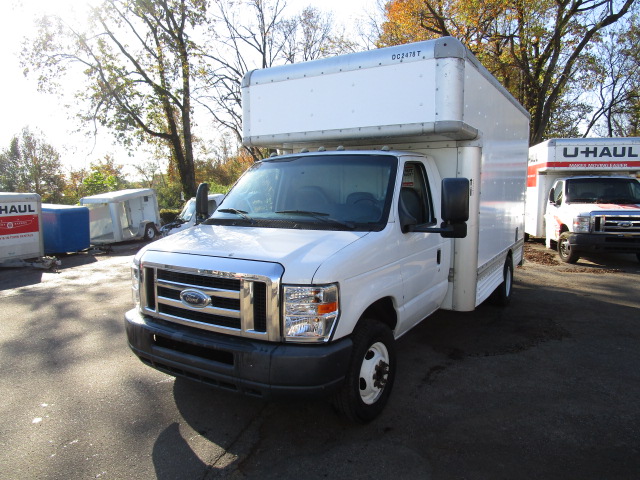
[455, 210]
[552, 195]
[202, 203]
[455, 207]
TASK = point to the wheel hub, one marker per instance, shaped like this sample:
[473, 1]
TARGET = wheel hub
[374, 373]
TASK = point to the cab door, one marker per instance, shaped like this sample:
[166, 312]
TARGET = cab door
[425, 256]
[552, 217]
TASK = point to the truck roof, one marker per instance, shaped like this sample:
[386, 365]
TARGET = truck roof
[118, 196]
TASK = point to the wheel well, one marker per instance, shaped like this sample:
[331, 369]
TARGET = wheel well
[384, 311]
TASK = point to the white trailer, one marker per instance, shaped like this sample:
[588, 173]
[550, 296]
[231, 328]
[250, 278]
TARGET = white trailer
[20, 227]
[122, 215]
[583, 195]
[411, 200]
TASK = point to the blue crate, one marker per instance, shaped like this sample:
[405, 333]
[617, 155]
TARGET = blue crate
[65, 228]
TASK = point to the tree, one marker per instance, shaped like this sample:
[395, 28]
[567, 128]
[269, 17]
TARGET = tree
[32, 165]
[616, 70]
[104, 176]
[536, 48]
[139, 61]
[312, 35]
[268, 40]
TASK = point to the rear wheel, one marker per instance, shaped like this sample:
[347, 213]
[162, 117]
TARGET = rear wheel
[565, 252]
[502, 295]
[370, 374]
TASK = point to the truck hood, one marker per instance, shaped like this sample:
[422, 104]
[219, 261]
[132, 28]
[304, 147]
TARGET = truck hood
[300, 252]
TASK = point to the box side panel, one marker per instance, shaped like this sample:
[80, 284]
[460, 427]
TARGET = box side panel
[100, 223]
[571, 156]
[65, 229]
[20, 227]
[504, 128]
[360, 102]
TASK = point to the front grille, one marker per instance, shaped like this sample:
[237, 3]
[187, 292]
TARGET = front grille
[628, 224]
[236, 304]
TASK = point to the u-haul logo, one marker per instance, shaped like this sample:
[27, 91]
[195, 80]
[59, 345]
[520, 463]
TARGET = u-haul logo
[599, 152]
[17, 209]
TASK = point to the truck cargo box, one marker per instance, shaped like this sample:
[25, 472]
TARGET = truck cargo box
[20, 222]
[432, 90]
[65, 228]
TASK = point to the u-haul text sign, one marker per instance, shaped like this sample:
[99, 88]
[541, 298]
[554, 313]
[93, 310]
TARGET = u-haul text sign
[585, 158]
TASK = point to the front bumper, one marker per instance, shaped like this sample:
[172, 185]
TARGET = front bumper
[604, 242]
[252, 367]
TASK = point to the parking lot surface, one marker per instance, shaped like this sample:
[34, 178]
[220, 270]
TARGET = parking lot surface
[546, 388]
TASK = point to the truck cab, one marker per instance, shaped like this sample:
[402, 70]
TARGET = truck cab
[593, 214]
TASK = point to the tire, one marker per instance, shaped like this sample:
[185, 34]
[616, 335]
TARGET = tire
[150, 232]
[501, 296]
[565, 252]
[638, 256]
[370, 374]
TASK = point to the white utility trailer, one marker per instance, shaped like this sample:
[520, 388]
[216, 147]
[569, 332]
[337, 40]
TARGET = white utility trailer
[122, 215]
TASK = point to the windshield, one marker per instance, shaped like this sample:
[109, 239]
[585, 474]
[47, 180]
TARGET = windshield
[603, 190]
[319, 192]
[188, 210]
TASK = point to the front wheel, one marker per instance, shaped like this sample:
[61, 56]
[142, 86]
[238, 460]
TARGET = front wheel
[565, 252]
[370, 374]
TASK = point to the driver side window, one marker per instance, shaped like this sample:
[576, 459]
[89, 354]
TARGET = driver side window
[557, 193]
[415, 193]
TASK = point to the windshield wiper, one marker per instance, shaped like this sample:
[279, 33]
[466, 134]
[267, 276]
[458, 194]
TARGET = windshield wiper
[325, 217]
[235, 211]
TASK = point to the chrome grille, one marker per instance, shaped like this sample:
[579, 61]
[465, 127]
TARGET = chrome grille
[629, 224]
[239, 303]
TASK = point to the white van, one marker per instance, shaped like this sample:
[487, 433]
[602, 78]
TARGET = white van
[187, 217]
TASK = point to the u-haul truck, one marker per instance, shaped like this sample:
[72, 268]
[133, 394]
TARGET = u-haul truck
[583, 195]
[399, 190]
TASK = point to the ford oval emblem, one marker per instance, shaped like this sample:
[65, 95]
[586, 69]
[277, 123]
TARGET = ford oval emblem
[625, 224]
[194, 298]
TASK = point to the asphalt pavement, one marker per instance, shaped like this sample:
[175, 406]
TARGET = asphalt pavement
[546, 388]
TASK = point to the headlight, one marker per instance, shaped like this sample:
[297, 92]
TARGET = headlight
[581, 224]
[135, 284]
[310, 313]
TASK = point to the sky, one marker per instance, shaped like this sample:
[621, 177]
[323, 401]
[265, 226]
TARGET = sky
[46, 114]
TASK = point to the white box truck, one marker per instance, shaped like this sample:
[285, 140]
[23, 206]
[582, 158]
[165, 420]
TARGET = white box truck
[583, 195]
[122, 215]
[412, 200]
